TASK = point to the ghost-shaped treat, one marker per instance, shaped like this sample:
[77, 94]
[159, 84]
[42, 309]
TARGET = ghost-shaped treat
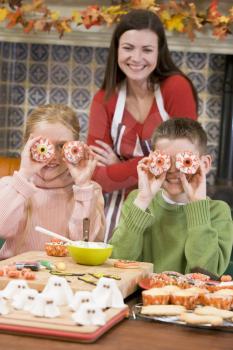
[45, 306]
[81, 297]
[14, 287]
[4, 310]
[25, 300]
[107, 294]
[89, 314]
[59, 289]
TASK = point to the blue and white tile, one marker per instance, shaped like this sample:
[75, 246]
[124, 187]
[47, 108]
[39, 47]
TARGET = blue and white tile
[60, 74]
[196, 60]
[16, 95]
[198, 79]
[15, 116]
[38, 73]
[83, 121]
[14, 71]
[80, 98]
[83, 55]
[214, 107]
[61, 53]
[58, 95]
[99, 76]
[39, 52]
[37, 95]
[81, 75]
[101, 55]
[213, 132]
[178, 58]
[14, 138]
[217, 62]
[215, 84]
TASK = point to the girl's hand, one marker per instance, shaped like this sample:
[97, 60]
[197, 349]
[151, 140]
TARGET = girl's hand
[195, 187]
[28, 166]
[104, 154]
[148, 184]
[83, 171]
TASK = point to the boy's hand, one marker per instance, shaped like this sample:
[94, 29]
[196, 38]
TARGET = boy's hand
[83, 171]
[28, 166]
[195, 188]
[148, 184]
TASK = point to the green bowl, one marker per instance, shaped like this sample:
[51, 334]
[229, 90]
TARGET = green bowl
[90, 255]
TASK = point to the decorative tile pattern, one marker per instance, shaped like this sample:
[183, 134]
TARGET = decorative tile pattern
[33, 74]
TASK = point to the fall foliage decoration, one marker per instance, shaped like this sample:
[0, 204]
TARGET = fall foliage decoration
[177, 16]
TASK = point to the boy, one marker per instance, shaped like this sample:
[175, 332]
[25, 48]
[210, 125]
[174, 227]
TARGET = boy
[169, 220]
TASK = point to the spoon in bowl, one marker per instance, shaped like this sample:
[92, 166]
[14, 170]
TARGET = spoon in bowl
[53, 234]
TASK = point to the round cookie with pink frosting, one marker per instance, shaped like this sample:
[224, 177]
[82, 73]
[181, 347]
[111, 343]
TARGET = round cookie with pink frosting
[73, 151]
[42, 150]
[187, 162]
[159, 163]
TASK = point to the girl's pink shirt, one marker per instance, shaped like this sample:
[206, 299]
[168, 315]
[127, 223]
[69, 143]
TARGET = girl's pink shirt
[24, 206]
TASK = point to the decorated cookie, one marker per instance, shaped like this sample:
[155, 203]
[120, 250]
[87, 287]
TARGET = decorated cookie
[126, 264]
[159, 163]
[73, 151]
[187, 162]
[42, 150]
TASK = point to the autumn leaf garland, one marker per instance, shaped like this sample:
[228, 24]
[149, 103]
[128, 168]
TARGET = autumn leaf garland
[177, 16]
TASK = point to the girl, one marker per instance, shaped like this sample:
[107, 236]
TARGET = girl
[142, 87]
[53, 194]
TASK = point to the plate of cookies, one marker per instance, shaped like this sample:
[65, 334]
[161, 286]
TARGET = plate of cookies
[190, 300]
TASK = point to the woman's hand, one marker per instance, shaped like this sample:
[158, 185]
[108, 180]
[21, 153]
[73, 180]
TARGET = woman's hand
[195, 187]
[83, 171]
[148, 184]
[104, 154]
[28, 166]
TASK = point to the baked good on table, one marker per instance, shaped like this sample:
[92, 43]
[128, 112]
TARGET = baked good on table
[126, 264]
[218, 301]
[73, 151]
[158, 163]
[194, 319]
[187, 162]
[162, 310]
[42, 150]
[213, 311]
[189, 299]
[155, 296]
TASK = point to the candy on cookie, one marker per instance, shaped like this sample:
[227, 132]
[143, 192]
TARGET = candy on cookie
[187, 162]
[73, 151]
[42, 150]
[159, 163]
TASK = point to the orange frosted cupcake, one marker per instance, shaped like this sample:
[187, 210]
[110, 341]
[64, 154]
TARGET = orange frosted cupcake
[186, 297]
[155, 296]
[219, 301]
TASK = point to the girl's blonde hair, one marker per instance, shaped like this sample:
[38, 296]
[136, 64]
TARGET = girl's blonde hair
[52, 113]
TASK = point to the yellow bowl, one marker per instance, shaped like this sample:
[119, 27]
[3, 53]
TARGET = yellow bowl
[90, 253]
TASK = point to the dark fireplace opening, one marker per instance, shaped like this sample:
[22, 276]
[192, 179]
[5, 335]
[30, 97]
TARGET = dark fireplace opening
[223, 188]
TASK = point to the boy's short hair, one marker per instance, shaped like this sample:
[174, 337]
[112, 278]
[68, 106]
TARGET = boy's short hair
[175, 128]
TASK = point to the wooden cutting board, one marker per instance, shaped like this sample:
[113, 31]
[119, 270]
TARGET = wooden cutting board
[63, 327]
[128, 283]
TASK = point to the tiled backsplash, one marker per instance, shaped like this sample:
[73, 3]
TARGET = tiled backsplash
[33, 74]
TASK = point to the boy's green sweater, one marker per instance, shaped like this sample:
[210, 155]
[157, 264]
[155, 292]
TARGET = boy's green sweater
[175, 237]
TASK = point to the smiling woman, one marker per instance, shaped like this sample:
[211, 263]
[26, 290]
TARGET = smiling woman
[142, 87]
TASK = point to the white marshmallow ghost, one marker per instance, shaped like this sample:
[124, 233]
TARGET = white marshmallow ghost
[89, 314]
[107, 294]
[59, 289]
[45, 306]
[25, 300]
[81, 297]
[4, 310]
[14, 287]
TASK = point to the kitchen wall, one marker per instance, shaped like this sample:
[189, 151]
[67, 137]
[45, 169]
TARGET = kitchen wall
[33, 74]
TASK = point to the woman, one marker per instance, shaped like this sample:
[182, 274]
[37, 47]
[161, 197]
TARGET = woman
[142, 87]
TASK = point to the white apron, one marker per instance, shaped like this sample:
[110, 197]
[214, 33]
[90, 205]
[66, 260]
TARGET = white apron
[114, 200]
